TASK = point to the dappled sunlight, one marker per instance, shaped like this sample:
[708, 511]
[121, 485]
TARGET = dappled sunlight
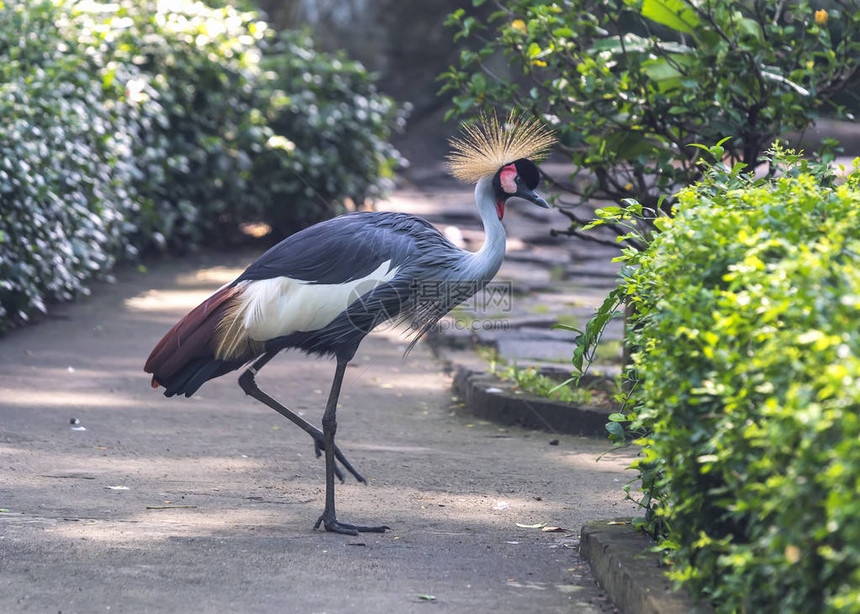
[149, 467]
[64, 398]
[195, 288]
[611, 462]
[398, 335]
[164, 524]
[75, 371]
[466, 507]
[167, 300]
[270, 493]
[392, 381]
[216, 275]
[382, 447]
[291, 512]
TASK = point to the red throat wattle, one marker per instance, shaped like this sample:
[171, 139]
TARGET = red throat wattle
[508, 183]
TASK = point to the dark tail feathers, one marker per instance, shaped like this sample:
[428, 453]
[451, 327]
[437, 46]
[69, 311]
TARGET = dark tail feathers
[185, 357]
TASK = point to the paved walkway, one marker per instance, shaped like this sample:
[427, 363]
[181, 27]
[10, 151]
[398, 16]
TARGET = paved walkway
[206, 504]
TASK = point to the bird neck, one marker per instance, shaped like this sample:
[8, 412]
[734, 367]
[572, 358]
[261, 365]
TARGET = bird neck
[486, 261]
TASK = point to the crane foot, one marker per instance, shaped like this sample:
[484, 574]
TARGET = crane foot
[319, 446]
[333, 525]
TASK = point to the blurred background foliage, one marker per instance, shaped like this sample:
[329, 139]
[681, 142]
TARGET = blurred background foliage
[630, 85]
[136, 126]
[405, 43]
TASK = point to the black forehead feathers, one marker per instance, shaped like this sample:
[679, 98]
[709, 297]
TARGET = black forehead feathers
[528, 172]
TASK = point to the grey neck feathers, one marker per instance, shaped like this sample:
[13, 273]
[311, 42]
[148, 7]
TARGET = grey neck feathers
[484, 264]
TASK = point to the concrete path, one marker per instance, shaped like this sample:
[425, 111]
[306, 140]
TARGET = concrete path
[206, 504]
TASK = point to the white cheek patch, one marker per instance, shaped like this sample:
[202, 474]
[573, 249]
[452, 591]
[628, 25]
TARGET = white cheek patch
[508, 179]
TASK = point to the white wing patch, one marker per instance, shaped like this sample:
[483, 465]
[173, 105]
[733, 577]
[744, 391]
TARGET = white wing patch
[280, 306]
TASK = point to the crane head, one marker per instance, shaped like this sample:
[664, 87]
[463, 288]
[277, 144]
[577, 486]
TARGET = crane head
[505, 151]
[517, 180]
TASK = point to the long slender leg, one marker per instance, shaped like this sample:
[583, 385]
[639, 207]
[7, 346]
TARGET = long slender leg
[329, 422]
[249, 385]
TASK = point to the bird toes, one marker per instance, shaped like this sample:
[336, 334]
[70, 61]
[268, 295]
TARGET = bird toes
[333, 525]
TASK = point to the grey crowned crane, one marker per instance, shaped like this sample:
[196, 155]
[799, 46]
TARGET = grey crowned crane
[323, 289]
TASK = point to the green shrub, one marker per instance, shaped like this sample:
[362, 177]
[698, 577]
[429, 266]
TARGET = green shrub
[63, 195]
[184, 77]
[747, 389]
[629, 85]
[129, 126]
[237, 123]
[338, 128]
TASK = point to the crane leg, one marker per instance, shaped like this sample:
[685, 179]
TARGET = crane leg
[249, 385]
[329, 422]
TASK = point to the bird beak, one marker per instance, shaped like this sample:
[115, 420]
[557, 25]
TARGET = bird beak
[531, 196]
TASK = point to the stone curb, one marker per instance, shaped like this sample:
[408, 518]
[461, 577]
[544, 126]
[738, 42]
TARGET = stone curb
[483, 396]
[621, 560]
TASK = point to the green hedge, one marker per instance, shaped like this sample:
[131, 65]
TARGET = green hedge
[127, 127]
[339, 125]
[628, 85]
[747, 390]
[64, 201]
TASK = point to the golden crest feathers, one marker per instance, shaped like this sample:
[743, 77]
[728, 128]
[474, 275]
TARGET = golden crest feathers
[488, 145]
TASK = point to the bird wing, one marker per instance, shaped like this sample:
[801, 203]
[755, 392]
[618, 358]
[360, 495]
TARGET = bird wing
[344, 276]
[342, 249]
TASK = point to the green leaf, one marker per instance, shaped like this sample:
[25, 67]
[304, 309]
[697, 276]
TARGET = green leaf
[668, 72]
[628, 144]
[615, 429]
[587, 341]
[675, 14]
[567, 327]
[454, 18]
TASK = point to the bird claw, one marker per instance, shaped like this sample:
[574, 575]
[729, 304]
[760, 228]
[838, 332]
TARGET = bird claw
[319, 447]
[333, 525]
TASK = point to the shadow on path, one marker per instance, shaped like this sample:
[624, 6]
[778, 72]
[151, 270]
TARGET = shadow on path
[89, 518]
